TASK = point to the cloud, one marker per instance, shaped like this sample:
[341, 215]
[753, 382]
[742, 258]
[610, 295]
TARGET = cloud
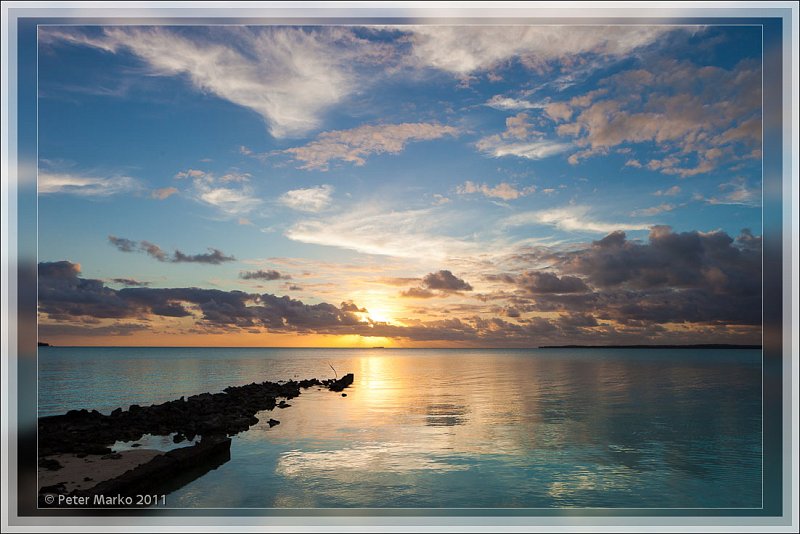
[534, 149]
[502, 190]
[164, 193]
[313, 199]
[129, 282]
[290, 76]
[50, 183]
[655, 210]
[263, 275]
[355, 145]
[231, 201]
[439, 284]
[375, 230]
[462, 50]
[671, 192]
[700, 116]
[571, 219]
[538, 283]
[213, 257]
[445, 281]
[510, 104]
[735, 192]
[558, 111]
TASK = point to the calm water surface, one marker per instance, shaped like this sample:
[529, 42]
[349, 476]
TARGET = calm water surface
[456, 428]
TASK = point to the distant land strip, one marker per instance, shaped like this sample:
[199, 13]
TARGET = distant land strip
[699, 346]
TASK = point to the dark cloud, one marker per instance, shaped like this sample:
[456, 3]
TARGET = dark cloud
[212, 257]
[442, 281]
[543, 282]
[263, 275]
[124, 245]
[349, 306]
[129, 282]
[445, 281]
[418, 293]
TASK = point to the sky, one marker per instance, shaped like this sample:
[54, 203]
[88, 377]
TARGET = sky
[399, 186]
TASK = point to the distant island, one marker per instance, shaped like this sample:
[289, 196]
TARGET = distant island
[43, 344]
[699, 346]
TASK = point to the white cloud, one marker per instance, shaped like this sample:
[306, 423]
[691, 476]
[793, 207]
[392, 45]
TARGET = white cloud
[230, 201]
[313, 199]
[506, 103]
[735, 192]
[290, 76]
[466, 49]
[571, 219]
[355, 144]
[655, 210]
[497, 147]
[671, 192]
[503, 190]
[85, 186]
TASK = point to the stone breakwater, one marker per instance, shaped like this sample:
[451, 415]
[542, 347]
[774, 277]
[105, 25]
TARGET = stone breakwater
[213, 417]
[226, 413]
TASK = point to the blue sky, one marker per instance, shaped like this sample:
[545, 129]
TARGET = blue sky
[433, 185]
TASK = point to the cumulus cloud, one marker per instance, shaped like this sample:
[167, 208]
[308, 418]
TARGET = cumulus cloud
[288, 75]
[439, 284]
[503, 190]
[50, 183]
[213, 256]
[445, 281]
[575, 218]
[354, 145]
[263, 275]
[701, 116]
[312, 199]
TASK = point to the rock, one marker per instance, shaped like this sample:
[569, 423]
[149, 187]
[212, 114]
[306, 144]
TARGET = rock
[344, 394]
[112, 456]
[177, 438]
[273, 422]
[50, 464]
[136, 444]
[87, 479]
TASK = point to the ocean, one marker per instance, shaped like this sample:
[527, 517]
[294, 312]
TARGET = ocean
[455, 428]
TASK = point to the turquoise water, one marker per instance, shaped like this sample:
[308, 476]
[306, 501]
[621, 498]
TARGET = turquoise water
[547, 428]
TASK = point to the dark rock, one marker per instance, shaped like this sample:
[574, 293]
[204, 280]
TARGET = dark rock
[116, 412]
[55, 488]
[273, 422]
[50, 464]
[87, 479]
[344, 394]
[112, 456]
[177, 438]
[136, 444]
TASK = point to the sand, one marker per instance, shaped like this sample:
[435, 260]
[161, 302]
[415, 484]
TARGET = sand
[93, 466]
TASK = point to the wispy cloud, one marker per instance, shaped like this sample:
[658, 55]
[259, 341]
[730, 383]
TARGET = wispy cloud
[671, 192]
[288, 75]
[736, 191]
[534, 149]
[466, 49]
[405, 234]
[570, 218]
[312, 199]
[506, 103]
[162, 194]
[503, 190]
[231, 200]
[84, 185]
[655, 210]
[355, 145]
